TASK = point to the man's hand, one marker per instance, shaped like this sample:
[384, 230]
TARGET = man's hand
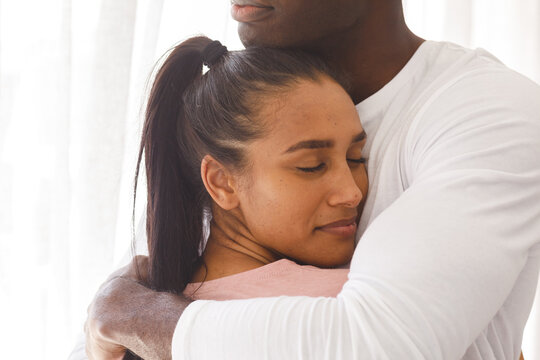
[125, 314]
[98, 346]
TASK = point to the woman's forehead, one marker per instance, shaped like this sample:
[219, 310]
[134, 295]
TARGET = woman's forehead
[317, 109]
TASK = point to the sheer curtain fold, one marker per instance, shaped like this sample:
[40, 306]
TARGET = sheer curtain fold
[507, 28]
[100, 84]
[63, 114]
[73, 77]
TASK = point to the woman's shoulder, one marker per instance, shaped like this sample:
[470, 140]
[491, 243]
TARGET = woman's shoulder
[280, 278]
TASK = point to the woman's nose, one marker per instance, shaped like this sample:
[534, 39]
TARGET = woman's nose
[344, 190]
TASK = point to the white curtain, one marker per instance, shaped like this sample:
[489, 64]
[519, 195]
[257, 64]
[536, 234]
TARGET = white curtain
[72, 81]
[510, 29]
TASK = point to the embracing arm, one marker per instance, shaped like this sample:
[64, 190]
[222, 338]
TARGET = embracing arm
[125, 314]
[431, 271]
[427, 277]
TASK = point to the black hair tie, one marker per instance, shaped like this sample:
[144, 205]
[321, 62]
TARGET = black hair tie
[212, 53]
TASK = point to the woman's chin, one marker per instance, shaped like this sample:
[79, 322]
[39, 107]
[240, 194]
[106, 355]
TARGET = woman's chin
[337, 260]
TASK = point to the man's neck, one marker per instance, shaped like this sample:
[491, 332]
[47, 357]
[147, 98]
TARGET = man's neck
[371, 53]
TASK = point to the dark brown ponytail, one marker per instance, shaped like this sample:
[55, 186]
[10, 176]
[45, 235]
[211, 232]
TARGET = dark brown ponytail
[176, 194]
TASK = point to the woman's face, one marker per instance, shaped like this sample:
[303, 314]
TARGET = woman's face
[303, 191]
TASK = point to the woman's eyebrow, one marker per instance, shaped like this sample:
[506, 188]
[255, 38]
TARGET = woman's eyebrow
[310, 144]
[321, 144]
[359, 137]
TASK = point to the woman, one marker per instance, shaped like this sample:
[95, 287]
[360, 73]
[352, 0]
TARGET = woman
[268, 144]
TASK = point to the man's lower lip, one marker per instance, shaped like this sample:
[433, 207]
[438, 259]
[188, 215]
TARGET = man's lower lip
[347, 230]
[249, 13]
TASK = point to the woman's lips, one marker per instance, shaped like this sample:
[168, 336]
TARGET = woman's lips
[249, 13]
[345, 227]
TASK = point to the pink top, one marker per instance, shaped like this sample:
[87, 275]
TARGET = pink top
[282, 277]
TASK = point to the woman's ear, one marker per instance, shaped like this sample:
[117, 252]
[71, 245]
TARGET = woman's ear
[219, 183]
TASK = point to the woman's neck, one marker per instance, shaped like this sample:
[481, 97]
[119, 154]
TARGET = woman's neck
[231, 249]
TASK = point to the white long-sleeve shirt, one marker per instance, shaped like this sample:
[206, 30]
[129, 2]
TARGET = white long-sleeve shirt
[447, 263]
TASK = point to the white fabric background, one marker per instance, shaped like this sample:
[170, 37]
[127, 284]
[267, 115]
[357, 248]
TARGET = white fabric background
[72, 80]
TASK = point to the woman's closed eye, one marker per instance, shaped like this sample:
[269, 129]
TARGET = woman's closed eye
[319, 167]
[361, 160]
[322, 165]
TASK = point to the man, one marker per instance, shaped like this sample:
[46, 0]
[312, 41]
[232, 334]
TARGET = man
[448, 261]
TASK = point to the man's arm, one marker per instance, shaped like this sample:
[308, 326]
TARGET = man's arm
[435, 267]
[125, 314]
[430, 272]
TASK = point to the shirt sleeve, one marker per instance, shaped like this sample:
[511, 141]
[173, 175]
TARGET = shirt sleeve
[433, 269]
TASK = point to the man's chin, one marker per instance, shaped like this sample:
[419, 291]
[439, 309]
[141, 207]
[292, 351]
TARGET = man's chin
[250, 36]
[256, 35]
